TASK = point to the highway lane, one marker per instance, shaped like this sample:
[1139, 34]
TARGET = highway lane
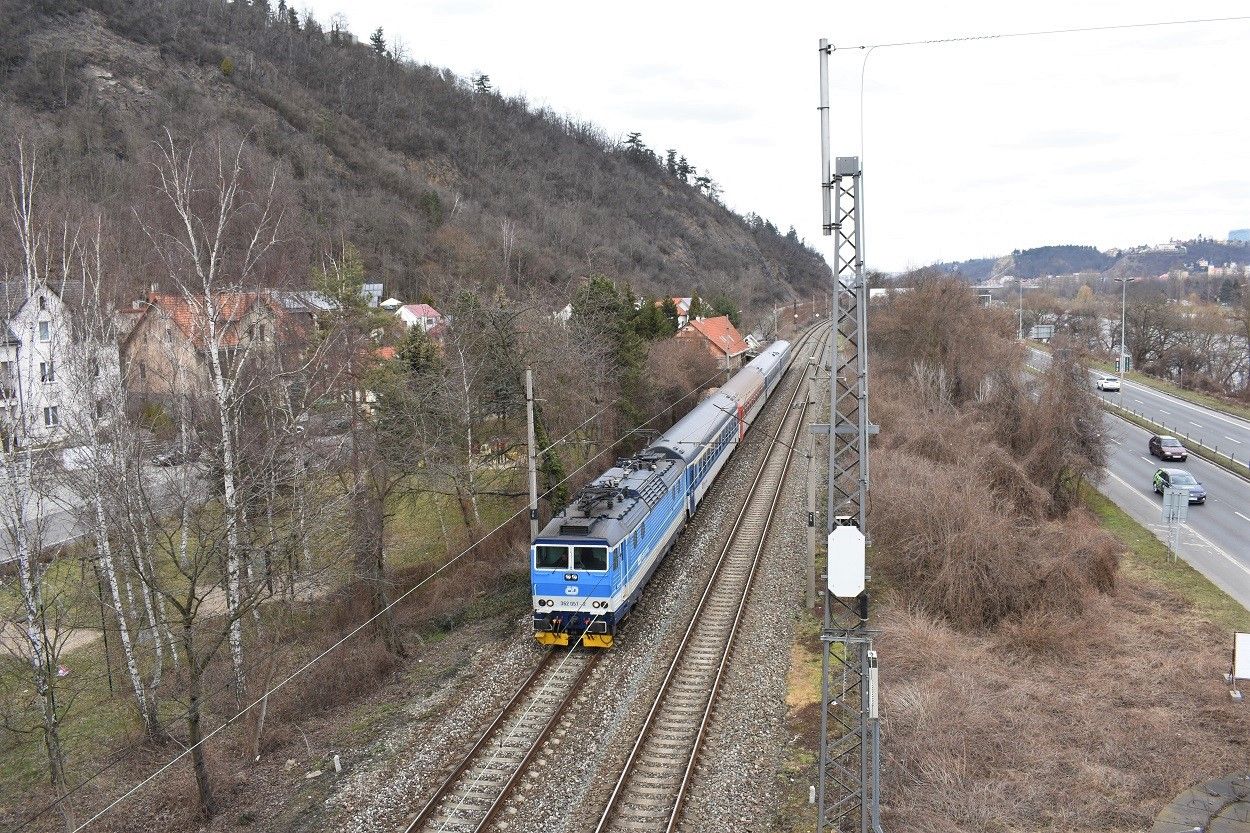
[1229, 434]
[1216, 537]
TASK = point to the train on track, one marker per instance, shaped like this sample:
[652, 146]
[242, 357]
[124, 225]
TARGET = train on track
[590, 564]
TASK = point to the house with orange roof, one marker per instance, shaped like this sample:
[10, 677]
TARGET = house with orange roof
[720, 337]
[169, 346]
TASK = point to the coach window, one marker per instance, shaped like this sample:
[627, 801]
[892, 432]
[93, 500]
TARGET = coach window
[551, 558]
[590, 558]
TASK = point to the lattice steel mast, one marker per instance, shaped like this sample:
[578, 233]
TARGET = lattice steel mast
[847, 792]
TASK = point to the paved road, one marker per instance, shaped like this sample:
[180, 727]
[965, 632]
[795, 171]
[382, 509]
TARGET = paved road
[1229, 434]
[1216, 538]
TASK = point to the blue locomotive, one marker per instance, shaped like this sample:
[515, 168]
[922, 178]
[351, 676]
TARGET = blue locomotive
[589, 565]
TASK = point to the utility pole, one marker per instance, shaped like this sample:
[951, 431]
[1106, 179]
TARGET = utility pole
[809, 597]
[533, 452]
[1123, 282]
[1020, 327]
[849, 779]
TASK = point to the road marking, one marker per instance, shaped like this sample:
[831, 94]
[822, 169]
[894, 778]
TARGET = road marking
[1176, 400]
[1238, 514]
[1117, 442]
[1199, 424]
[1233, 439]
[1204, 538]
[1148, 460]
[1169, 413]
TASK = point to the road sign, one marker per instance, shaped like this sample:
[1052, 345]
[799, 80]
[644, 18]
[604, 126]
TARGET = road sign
[1241, 656]
[1175, 505]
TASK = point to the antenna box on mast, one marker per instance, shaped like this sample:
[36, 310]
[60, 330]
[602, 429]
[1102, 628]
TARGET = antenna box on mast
[846, 166]
[846, 560]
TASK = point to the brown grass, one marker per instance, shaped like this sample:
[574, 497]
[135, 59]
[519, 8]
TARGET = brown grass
[1052, 722]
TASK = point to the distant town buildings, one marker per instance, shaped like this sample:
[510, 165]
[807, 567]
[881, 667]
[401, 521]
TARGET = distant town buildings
[168, 349]
[50, 369]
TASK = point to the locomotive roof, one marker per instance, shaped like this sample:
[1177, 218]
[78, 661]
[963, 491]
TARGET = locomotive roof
[612, 505]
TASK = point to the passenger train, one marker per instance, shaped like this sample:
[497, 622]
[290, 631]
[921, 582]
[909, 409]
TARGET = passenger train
[590, 564]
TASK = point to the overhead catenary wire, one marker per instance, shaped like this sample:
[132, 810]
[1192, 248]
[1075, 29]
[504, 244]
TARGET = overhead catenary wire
[357, 629]
[1111, 27]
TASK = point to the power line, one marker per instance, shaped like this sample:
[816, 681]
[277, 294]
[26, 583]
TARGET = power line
[357, 629]
[1042, 33]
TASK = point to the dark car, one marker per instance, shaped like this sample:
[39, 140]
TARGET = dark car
[1180, 479]
[1167, 448]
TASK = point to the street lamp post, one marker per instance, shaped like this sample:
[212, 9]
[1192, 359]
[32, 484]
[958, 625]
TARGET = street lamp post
[1020, 327]
[1123, 282]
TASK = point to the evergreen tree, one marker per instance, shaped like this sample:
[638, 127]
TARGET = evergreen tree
[670, 161]
[600, 308]
[684, 169]
[698, 309]
[481, 83]
[637, 148]
[378, 40]
[418, 353]
[724, 305]
[669, 310]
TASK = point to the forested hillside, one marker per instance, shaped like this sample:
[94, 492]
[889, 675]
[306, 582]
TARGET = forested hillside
[1067, 260]
[439, 181]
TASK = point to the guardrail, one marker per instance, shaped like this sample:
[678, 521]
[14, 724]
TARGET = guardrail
[1197, 446]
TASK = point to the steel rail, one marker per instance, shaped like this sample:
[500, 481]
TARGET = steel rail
[513, 705]
[776, 447]
[530, 687]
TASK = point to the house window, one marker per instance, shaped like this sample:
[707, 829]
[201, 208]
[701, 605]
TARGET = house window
[45, 330]
[93, 364]
[99, 408]
[43, 303]
[47, 373]
[50, 417]
[262, 332]
[143, 370]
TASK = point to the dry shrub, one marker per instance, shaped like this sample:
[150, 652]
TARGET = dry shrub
[1053, 722]
[675, 369]
[445, 597]
[340, 677]
[917, 328]
[950, 546]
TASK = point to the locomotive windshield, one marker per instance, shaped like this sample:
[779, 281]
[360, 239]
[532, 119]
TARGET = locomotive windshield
[590, 558]
[551, 558]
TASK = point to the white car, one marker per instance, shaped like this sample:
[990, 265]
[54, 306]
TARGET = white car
[1107, 383]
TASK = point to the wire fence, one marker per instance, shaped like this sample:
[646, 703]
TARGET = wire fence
[1225, 459]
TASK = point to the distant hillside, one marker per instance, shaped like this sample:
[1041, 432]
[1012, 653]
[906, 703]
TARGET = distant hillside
[1067, 260]
[440, 182]
[1033, 263]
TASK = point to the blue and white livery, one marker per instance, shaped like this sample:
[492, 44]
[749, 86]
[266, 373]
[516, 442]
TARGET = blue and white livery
[590, 564]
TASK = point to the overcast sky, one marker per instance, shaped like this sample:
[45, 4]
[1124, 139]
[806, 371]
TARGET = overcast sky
[1108, 139]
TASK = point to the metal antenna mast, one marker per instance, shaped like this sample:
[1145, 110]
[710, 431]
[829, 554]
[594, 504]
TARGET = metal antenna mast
[847, 792]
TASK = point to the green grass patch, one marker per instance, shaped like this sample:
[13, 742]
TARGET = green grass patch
[94, 721]
[1149, 559]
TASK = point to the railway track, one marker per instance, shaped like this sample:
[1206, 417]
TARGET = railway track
[476, 790]
[649, 792]
[469, 798]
